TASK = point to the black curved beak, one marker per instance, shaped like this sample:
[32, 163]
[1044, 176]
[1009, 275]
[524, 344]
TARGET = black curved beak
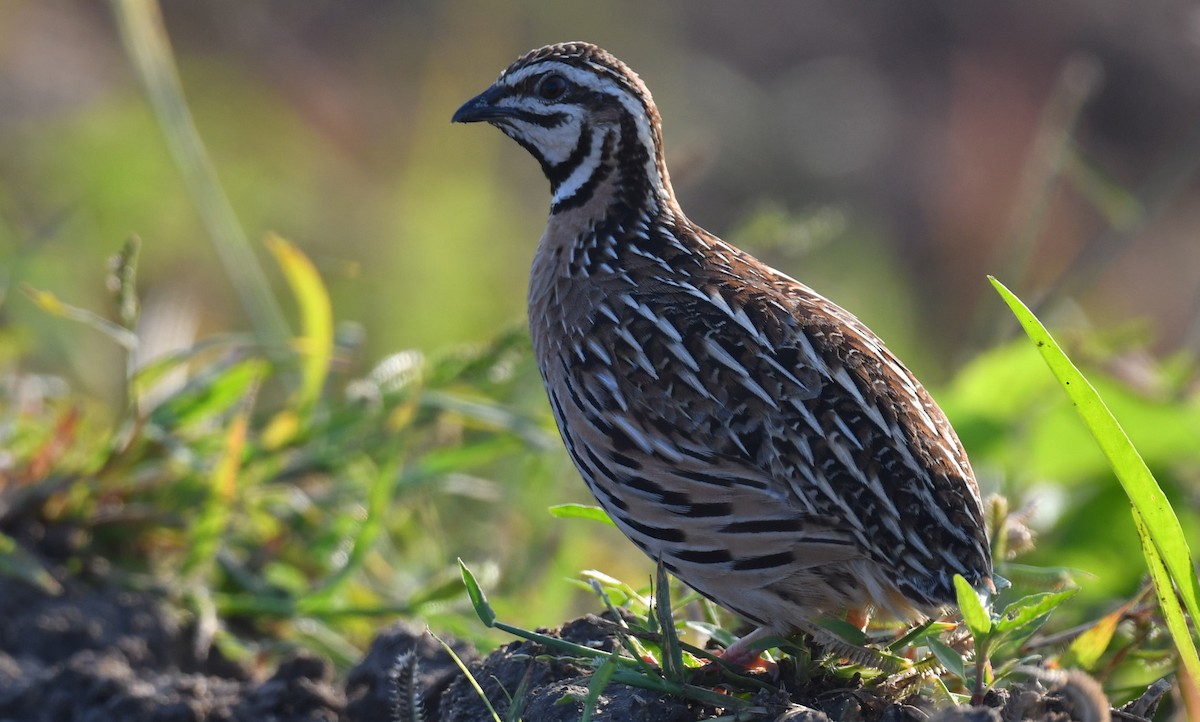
[481, 108]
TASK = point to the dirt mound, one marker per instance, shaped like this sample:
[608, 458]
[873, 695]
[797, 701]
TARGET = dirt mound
[96, 655]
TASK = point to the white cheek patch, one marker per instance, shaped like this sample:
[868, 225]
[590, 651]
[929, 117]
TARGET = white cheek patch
[557, 143]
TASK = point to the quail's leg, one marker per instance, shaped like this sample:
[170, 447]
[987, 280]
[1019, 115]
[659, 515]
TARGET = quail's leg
[741, 652]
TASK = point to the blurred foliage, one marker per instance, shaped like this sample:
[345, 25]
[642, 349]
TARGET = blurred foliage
[325, 507]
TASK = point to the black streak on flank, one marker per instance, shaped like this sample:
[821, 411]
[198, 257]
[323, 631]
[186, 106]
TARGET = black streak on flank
[708, 509]
[767, 561]
[721, 481]
[706, 556]
[764, 526]
[627, 461]
[667, 535]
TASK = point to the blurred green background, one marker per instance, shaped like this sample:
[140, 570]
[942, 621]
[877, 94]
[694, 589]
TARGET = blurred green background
[889, 155]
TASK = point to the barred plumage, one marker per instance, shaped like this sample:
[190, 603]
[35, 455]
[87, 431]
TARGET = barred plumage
[754, 436]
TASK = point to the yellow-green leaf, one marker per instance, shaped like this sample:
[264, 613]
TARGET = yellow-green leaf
[1163, 544]
[315, 342]
[1088, 647]
[581, 511]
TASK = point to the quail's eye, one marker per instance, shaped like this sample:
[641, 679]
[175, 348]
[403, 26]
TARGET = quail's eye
[552, 87]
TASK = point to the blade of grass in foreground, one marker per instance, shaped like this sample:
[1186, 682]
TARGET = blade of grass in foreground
[1166, 546]
[462, 667]
[149, 50]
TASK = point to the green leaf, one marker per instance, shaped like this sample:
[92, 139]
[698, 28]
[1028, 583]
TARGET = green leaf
[1153, 515]
[950, 659]
[974, 615]
[600, 679]
[144, 378]
[917, 634]
[487, 615]
[843, 630]
[1021, 619]
[1026, 609]
[144, 37]
[581, 511]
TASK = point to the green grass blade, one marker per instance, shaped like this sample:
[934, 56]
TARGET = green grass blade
[210, 528]
[1154, 515]
[600, 679]
[378, 500]
[52, 305]
[210, 395]
[149, 49]
[1169, 603]
[672, 653]
[518, 699]
[463, 667]
[843, 630]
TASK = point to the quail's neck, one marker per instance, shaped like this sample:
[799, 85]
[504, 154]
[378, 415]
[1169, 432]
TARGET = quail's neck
[621, 179]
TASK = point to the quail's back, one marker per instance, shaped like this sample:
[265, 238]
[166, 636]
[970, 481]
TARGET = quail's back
[754, 436]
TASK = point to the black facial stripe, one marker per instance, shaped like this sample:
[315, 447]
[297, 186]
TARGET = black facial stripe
[544, 120]
[584, 194]
[631, 159]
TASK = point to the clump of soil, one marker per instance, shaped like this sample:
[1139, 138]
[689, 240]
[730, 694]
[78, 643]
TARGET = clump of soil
[96, 654]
